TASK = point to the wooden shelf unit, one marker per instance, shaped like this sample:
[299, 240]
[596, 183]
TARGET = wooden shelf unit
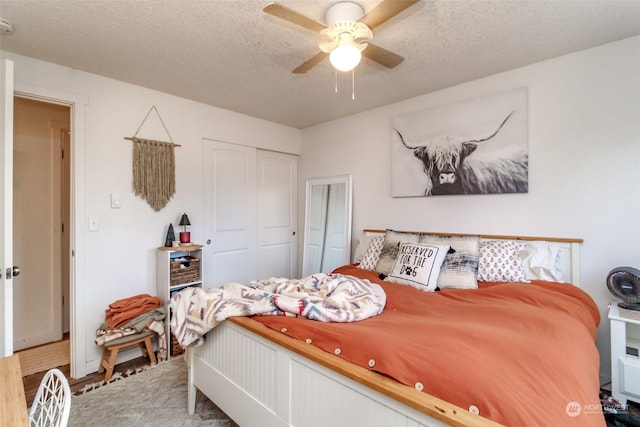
[168, 281]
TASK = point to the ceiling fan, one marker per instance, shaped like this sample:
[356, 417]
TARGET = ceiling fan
[347, 33]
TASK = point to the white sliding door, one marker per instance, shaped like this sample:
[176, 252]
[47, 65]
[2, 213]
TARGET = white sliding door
[277, 211]
[250, 212]
[334, 244]
[317, 226]
[230, 224]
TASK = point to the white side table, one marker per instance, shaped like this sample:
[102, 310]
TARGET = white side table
[625, 363]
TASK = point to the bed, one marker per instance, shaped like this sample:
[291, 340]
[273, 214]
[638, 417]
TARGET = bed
[474, 369]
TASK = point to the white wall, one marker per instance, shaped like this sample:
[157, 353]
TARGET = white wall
[584, 179]
[584, 144]
[120, 258]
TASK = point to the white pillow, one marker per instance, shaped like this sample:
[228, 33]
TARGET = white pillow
[390, 248]
[460, 268]
[362, 247]
[371, 256]
[501, 261]
[540, 261]
[418, 265]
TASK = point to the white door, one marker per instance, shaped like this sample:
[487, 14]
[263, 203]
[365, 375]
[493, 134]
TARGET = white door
[230, 225]
[37, 221]
[277, 214]
[6, 208]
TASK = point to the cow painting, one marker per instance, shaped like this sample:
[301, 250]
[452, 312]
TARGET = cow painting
[451, 167]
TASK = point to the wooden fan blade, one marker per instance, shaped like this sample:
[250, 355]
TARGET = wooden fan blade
[382, 56]
[310, 63]
[294, 17]
[384, 11]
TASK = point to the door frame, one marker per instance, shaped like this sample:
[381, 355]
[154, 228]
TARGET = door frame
[6, 211]
[42, 322]
[77, 232]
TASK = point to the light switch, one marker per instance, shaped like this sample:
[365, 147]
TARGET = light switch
[115, 201]
[93, 223]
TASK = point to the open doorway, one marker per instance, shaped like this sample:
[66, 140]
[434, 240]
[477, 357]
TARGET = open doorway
[41, 212]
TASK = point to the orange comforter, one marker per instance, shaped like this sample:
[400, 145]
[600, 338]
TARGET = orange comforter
[522, 354]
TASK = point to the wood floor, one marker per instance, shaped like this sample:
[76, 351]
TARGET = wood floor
[31, 382]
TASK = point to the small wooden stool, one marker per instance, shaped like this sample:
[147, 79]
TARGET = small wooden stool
[111, 348]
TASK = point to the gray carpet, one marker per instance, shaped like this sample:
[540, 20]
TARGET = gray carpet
[154, 397]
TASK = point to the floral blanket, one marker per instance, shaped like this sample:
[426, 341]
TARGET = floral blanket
[321, 297]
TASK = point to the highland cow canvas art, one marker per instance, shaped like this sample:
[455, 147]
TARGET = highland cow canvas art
[474, 147]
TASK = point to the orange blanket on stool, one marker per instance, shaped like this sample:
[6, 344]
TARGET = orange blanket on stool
[123, 310]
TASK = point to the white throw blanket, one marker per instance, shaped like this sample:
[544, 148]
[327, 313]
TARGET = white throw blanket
[322, 297]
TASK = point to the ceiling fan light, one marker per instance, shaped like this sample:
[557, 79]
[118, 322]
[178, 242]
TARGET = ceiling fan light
[345, 57]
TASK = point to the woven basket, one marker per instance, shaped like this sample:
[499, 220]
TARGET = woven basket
[176, 348]
[185, 271]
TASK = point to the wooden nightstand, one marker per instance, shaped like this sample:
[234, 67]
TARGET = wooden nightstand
[625, 360]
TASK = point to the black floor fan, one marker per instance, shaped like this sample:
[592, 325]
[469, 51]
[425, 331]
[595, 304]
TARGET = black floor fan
[624, 284]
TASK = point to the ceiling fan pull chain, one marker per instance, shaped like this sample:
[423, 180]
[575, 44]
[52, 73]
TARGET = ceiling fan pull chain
[353, 84]
[336, 77]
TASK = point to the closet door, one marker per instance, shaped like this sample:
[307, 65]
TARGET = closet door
[277, 214]
[230, 222]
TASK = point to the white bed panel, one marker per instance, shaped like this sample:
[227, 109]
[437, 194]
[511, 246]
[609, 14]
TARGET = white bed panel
[248, 367]
[315, 397]
[258, 383]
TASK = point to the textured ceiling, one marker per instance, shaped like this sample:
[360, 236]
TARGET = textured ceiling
[230, 54]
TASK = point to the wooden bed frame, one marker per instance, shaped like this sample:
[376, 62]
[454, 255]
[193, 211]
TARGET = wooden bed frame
[261, 377]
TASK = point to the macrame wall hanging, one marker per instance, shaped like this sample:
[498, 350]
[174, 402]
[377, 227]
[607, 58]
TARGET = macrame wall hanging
[154, 167]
